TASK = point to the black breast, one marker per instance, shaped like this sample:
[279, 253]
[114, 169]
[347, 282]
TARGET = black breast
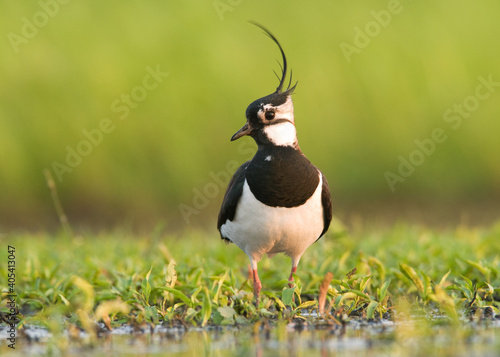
[281, 176]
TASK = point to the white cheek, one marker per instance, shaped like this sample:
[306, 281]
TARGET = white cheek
[284, 111]
[282, 134]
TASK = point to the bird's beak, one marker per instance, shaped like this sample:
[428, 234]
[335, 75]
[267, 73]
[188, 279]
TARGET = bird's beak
[245, 130]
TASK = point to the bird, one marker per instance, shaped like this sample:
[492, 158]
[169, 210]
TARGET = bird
[277, 202]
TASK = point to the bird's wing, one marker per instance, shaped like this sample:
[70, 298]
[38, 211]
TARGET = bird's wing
[326, 201]
[232, 196]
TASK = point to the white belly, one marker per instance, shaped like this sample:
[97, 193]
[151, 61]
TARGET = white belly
[259, 229]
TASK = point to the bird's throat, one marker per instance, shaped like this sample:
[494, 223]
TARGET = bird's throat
[281, 134]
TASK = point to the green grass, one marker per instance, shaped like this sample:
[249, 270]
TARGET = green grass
[194, 279]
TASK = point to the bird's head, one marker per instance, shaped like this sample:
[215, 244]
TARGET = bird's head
[270, 119]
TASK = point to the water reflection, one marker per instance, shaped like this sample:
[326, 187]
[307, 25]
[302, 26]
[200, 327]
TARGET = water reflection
[266, 338]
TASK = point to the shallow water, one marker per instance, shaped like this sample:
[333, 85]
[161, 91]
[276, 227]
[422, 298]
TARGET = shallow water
[359, 338]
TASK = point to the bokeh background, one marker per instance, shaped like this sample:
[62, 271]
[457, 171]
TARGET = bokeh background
[69, 67]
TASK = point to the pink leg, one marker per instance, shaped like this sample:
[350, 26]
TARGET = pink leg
[290, 279]
[256, 284]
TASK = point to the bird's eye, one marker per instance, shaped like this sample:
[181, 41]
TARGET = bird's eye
[270, 115]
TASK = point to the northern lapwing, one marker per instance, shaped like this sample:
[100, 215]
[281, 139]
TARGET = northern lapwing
[278, 202]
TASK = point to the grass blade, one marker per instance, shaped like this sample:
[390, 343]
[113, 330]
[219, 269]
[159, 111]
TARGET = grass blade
[206, 309]
[411, 274]
[370, 310]
[178, 294]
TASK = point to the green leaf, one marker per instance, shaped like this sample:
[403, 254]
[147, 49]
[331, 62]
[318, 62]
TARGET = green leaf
[190, 314]
[360, 293]
[241, 320]
[287, 296]
[217, 318]
[149, 273]
[364, 283]
[206, 310]
[64, 300]
[171, 274]
[220, 281]
[427, 285]
[370, 310]
[195, 294]
[276, 299]
[382, 292]
[146, 287]
[307, 304]
[411, 274]
[226, 311]
[178, 294]
[351, 295]
[151, 314]
[467, 293]
[344, 285]
[379, 266]
[339, 299]
[489, 290]
[484, 270]
[443, 279]
[469, 282]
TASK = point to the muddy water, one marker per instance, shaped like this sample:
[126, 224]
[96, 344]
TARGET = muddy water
[356, 338]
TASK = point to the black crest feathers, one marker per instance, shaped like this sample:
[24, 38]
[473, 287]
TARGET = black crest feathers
[284, 68]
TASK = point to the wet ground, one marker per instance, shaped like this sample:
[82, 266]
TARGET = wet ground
[297, 338]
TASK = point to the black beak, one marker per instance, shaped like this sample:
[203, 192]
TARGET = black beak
[245, 130]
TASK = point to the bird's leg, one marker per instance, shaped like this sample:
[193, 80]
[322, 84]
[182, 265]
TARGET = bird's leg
[256, 284]
[290, 279]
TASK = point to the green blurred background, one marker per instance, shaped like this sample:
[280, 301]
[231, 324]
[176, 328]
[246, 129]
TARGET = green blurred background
[64, 64]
